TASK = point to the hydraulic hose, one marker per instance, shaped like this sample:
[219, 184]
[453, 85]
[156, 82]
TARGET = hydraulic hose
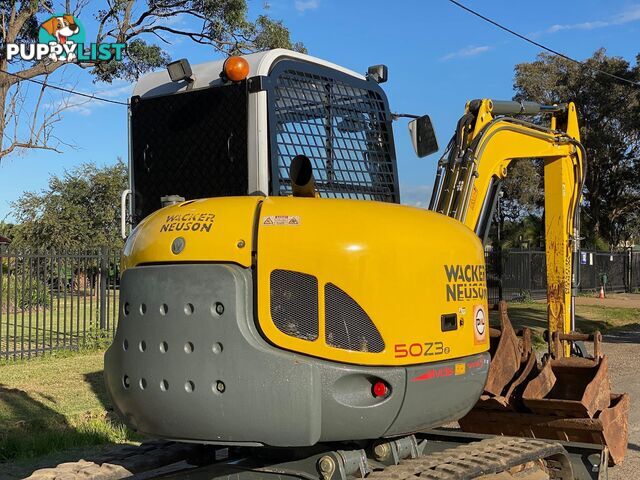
[582, 179]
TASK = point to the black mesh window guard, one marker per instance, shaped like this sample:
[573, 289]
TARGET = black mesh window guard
[191, 144]
[341, 123]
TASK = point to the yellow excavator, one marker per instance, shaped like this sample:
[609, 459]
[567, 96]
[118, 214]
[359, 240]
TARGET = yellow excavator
[279, 303]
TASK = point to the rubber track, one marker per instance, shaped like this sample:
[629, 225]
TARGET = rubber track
[464, 462]
[122, 462]
[475, 459]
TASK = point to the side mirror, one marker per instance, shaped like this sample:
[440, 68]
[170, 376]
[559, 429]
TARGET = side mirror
[423, 136]
[378, 73]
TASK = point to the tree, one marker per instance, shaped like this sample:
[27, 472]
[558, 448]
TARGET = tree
[7, 229]
[79, 210]
[220, 24]
[609, 112]
[522, 190]
[527, 232]
[521, 205]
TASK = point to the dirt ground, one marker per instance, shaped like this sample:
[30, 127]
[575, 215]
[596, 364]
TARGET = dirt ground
[618, 300]
[622, 347]
[623, 351]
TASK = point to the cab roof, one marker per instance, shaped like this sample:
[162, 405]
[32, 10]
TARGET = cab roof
[208, 74]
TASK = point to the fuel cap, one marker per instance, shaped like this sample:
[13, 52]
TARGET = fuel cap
[178, 245]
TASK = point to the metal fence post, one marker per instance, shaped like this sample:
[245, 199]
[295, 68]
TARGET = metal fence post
[103, 288]
[499, 273]
[627, 268]
[530, 271]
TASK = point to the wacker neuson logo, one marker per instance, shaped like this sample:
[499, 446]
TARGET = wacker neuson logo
[62, 37]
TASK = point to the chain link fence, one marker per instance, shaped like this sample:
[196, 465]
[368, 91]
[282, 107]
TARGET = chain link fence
[56, 301]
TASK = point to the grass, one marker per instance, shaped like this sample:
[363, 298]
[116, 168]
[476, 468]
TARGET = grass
[588, 318]
[55, 403]
[66, 322]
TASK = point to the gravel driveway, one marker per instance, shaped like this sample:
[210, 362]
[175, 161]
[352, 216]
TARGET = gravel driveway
[623, 351]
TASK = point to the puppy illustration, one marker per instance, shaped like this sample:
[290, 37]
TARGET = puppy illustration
[61, 28]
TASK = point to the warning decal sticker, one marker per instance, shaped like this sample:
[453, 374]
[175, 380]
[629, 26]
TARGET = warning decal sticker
[281, 220]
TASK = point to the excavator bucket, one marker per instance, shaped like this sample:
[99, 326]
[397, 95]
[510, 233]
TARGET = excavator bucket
[567, 399]
[608, 428]
[506, 351]
[513, 363]
[569, 387]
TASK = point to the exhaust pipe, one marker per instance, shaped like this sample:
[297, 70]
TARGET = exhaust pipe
[301, 175]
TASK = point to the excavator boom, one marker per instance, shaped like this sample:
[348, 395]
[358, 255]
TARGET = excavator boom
[469, 177]
[565, 397]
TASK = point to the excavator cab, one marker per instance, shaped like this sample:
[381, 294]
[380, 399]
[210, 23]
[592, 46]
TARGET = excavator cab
[282, 296]
[207, 136]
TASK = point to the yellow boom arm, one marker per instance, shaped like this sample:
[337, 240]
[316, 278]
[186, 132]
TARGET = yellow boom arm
[487, 140]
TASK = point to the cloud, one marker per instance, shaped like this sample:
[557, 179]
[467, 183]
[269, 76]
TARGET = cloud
[121, 92]
[118, 90]
[416, 195]
[631, 14]
[470, 51]
[172, 20]
[304, 5]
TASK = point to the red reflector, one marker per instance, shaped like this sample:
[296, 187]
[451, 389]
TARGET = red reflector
[380, 389]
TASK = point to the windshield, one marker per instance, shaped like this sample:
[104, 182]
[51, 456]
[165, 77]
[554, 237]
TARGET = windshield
[341, 123]
[191, 144]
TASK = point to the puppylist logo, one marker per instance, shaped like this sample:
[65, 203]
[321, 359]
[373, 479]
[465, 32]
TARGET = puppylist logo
[62, 37]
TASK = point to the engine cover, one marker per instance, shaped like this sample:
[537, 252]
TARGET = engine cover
[188, 363]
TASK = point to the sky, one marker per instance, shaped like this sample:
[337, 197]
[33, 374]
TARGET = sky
[438, 55]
